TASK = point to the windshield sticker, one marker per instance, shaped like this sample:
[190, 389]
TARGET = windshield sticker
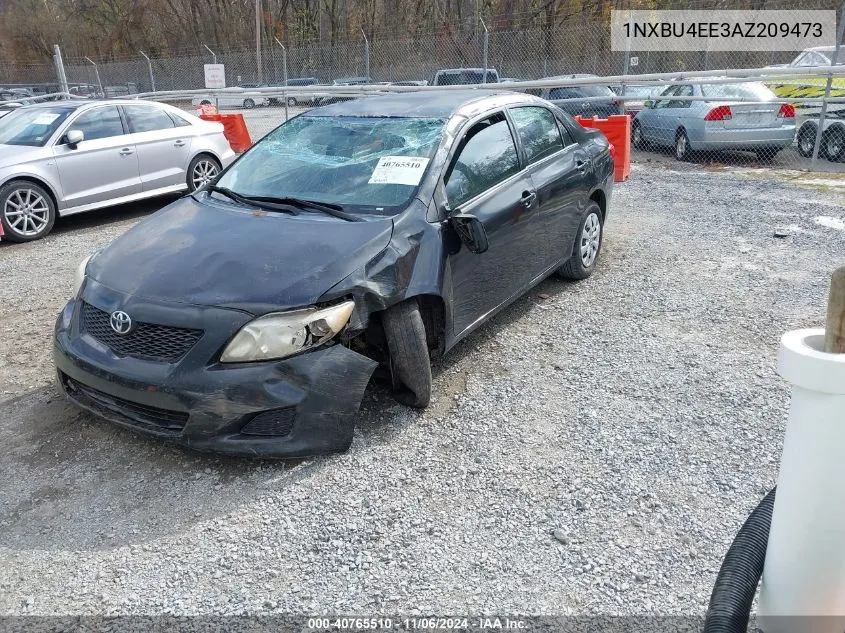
[45, 119]
[399, 170]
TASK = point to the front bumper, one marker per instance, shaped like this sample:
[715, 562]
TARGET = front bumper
[300, 406]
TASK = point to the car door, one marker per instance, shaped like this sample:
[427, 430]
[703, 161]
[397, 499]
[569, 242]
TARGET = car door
[559, 170]
[164, 149]
[672, 111]
[104, 165]
[485, 179]
[651, 119]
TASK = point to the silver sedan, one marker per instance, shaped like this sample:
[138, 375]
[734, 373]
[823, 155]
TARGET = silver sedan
[65, 157]
[726, 117]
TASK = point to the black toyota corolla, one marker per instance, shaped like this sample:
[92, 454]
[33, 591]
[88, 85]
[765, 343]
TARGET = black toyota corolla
[248, 317]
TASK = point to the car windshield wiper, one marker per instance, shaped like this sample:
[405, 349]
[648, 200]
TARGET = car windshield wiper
[253, 201]
[330, 209]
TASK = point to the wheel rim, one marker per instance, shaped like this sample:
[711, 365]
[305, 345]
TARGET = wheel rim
[204, 172]
[807, 143]
[834, 146]
[27, 212]
[291, 101]
[637, 135]
[590, 240]
[248, 104]
[681, 146]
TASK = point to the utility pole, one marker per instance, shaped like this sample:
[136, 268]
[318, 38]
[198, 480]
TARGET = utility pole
[258, 40]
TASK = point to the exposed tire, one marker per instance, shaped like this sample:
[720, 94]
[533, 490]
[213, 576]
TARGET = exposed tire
[292, 102]
[682, 148]
[249, 104]
[807, 139]
[637, 138]
[833, 143]
[202, 170]
[27, 211]
[587, 247]
[410, 364]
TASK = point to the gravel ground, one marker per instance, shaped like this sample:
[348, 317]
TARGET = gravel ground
[592, 450]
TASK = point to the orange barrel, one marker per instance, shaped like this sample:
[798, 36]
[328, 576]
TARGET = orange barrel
[617, 129]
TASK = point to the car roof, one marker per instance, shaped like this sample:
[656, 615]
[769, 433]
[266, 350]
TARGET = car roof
[440, 104]
[463, 70]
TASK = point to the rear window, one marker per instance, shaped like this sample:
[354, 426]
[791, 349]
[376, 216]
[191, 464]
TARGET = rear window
[576, 92]
[466, 77]
[737, 91]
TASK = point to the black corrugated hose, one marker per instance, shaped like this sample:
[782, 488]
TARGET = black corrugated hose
[736, 584]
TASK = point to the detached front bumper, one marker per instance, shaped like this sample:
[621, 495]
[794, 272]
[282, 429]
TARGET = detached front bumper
[300, 406]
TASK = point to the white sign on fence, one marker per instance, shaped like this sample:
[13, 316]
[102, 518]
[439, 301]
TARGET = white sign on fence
[635, 61]
[215, 76]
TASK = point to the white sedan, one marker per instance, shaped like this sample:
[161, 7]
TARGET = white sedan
[245, 100]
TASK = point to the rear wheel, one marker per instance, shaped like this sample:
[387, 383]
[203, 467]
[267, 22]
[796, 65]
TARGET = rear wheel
[833, 143]
[637, 138]
[249, 104]
[807, 139]
[585, 252]
[682, 148]
[410, 364]
[27, 211]
[292, 102]
[202, 170]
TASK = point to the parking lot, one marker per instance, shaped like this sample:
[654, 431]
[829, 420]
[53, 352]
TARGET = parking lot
[593, 449]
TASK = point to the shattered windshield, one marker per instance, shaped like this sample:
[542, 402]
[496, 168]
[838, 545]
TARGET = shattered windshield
[365, 164]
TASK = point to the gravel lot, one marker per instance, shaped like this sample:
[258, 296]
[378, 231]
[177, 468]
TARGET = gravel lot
[594, 449]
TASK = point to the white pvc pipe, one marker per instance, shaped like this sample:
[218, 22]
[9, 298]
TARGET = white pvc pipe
[804, 575]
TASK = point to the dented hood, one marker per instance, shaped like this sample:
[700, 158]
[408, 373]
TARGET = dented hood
[207, 253]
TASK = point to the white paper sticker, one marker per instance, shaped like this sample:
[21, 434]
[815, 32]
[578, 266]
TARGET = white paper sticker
[399, 170]
[45, 118]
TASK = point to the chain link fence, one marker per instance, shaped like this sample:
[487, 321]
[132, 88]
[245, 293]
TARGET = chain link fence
[774, 121]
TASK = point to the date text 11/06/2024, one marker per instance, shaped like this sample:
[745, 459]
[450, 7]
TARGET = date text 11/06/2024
[416, 624]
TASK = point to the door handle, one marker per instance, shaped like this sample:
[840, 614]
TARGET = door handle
[127, 151]
[179, 143]
[528, 198]
[581, 165]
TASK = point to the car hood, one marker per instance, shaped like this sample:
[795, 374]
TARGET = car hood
[202, 252]
[11, 155]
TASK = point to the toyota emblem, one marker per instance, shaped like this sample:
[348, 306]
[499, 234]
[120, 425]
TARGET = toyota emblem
[120, 322]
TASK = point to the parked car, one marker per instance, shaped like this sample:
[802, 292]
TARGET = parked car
[832, 146]
[464, 77]
[65, 157]
[804, 86]
[720, 122]
[89, 91]
[328, 99]
[14, 94]
[411, 82]
[598, 101]
[246, 100]
[640, 94]
[249, 317]
[298, 99]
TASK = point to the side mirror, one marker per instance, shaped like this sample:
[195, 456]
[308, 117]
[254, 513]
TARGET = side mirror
[74, 138]
[471, 231]
[648, 104]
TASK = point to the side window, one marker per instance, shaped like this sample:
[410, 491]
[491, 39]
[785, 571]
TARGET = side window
[666, 103]
[487, 156]
[565, 135]
[538, 132]
[682, 91]
[144, 118]
[563, 93]
[178, 121]
[99, 123]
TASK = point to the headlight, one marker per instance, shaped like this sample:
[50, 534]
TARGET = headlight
[79, 276]
[283, 334]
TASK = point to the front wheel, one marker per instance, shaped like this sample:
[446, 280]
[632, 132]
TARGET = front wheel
[27, 211]
[410, 364]
[585, 252]
[637, 138]
[249, 104]
[292, 102]
[202, 170]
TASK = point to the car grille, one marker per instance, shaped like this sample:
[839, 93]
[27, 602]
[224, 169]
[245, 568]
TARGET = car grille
[146, 340]
[277, 422]
[134, 413]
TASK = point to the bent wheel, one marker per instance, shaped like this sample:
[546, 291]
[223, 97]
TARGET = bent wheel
[409, 360]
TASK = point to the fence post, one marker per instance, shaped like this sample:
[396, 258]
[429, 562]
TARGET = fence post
[60, 68]
[150, 66]
[284, 74]
[213, 54]
[366, 54]
[97, 74]
[259, 71]
[485, 51]
[839, 32]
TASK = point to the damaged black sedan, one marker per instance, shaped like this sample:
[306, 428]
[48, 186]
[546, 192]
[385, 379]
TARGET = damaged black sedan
[248, 317]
